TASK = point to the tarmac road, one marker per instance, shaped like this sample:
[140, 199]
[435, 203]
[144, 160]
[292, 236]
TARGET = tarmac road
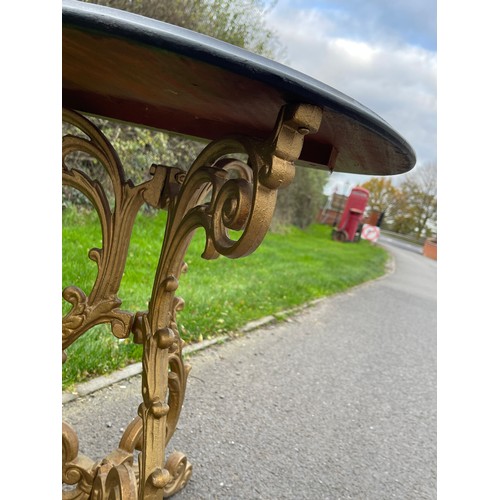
[395, 242]
[338, 402]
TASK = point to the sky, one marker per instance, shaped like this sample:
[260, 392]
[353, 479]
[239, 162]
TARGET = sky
[380, 52]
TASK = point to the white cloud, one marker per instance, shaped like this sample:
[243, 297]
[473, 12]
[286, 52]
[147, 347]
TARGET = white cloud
[360, 52]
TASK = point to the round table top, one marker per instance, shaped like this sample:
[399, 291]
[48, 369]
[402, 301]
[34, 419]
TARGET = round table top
[133, 69]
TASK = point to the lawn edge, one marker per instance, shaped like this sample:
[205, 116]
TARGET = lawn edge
[103, 381]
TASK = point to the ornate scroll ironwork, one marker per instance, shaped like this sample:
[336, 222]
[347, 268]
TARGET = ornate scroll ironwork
[208, 195]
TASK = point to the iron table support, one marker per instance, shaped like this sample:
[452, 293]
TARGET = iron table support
[208, 197]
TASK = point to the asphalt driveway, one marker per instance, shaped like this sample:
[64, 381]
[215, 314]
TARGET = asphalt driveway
[338, 402]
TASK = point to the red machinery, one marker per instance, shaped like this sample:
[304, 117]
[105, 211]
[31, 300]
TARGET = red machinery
[351, 220]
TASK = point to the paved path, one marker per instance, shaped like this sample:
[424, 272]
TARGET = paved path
[337, 403]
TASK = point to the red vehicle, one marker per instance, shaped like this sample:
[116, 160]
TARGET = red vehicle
[351, 220]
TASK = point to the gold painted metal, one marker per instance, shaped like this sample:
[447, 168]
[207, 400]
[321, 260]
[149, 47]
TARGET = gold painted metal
[218, 194]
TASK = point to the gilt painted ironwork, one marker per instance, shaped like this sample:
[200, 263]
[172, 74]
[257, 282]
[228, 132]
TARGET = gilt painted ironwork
[220, 194]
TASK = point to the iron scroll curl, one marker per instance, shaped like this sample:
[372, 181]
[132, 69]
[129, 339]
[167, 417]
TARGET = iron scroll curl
[219, 193]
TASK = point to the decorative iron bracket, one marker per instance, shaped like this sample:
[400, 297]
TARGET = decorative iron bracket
[205, 196]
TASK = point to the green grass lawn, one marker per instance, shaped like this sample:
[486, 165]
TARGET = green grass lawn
[287, 270]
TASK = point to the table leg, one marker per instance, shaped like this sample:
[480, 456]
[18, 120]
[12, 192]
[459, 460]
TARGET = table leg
[205, 196]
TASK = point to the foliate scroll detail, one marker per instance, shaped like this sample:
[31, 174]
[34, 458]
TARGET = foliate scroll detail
[180, 471]
[77, 469]
[102, 304]
[115, 481]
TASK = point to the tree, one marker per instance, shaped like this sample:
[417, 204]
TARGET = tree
[240, 23]
[383, 195]
[420, 192]
[401, 219]
[299, 202]
[411, 208]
